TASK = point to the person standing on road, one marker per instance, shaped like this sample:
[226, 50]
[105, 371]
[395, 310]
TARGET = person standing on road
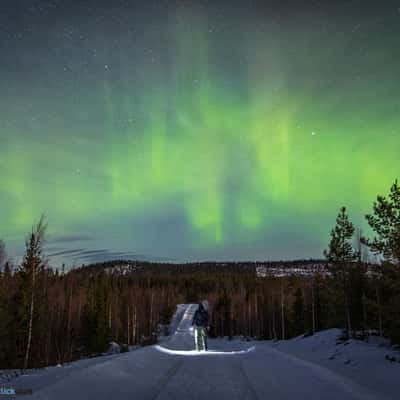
[200, 324]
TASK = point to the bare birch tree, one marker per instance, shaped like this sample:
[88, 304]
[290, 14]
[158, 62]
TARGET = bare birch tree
[32, 263]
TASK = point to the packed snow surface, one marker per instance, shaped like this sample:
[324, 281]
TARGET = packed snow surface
[312, 368]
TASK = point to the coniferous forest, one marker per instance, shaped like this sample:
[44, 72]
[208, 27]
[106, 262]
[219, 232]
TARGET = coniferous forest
[50, 316]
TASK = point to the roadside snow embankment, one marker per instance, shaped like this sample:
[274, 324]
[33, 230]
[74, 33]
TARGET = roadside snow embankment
[362, 362]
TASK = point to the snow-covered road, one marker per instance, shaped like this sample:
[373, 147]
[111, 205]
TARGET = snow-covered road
[172, 370]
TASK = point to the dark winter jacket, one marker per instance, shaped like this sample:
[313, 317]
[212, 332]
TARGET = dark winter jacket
[200, 317]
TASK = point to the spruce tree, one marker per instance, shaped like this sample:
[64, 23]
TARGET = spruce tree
[340, 250]
[340, 255]
[385, 222]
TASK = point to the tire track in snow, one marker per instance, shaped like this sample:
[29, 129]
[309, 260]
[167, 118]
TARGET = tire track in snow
[163, 382]
[252, 391]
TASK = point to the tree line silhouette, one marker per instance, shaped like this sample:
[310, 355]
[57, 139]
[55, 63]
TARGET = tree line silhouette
[50, 316]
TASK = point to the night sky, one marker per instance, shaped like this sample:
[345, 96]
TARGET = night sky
[199, 130]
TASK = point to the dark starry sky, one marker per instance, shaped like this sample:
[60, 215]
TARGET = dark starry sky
[194, 130]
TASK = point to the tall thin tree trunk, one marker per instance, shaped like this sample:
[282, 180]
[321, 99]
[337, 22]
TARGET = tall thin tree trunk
[80, 306]
[269, 316]
[69, 338]
[31, 311]
[256, 319]
[151, 314]
[128, 326]
[364, 304]
[134, 328]
[249, 315]
[109, 316]
[313, 307]
[283, 312]
[48, 341]
[117, 315]
[274, 319]
[378, 300]
[348, 318]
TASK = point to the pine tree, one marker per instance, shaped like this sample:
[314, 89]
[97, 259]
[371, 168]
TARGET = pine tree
[385, 222]
[340, 254]
[340, 249]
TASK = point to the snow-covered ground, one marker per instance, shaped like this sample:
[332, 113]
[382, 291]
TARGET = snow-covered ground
[364, 363]
[311, 368]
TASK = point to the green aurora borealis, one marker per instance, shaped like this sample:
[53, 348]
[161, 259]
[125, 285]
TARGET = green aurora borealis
[195, 132]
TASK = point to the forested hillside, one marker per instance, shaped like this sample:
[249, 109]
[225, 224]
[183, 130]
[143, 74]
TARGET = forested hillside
[50, 317]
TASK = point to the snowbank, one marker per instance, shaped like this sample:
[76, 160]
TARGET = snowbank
[362, 362]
